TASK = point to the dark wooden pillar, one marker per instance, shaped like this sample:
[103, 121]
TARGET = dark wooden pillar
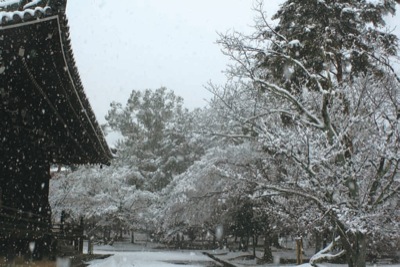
[24, 177]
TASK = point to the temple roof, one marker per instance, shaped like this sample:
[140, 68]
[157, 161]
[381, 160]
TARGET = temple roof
[15, 11]
[42, 100]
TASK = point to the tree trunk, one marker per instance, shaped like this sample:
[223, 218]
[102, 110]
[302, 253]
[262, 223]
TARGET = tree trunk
[268, 258]
[275, 240]
[214, 242]
[318, 241]
[357, 257]
[254, 246]
[247, 243]
[240, 248]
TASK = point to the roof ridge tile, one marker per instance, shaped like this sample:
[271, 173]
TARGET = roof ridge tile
[10, 17]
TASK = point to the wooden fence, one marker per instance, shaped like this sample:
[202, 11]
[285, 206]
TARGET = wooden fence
[69, 237]
[30, 234]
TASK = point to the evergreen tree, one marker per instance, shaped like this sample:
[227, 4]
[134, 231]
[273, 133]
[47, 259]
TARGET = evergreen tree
[157, 136]
[334, 41]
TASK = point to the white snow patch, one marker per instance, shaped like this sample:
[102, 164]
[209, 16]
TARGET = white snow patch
[374, 2]
[294, 43]
[150, 259]
[32, 3]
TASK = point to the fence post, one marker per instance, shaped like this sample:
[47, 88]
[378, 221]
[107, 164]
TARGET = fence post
[299, 250]
[62, 220]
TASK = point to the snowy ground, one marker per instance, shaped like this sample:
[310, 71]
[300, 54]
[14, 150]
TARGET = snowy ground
[153, 259]
[128, 255]
[147, 255]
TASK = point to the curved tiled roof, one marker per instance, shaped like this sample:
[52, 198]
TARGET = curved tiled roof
[15, 11]
[20, 20]
[8, 17]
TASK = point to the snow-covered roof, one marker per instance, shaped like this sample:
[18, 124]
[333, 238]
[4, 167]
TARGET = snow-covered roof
[16, 11]
[36, 46]
[7, 17]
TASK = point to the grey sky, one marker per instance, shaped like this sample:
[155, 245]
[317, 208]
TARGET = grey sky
[140, 44]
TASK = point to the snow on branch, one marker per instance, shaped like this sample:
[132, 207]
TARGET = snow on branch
[324, 255]
[301, 65]
[259, 8]
[294, 192]
[231, 136]
[279, 91]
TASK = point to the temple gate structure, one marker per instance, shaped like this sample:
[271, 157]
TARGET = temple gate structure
[45, 118]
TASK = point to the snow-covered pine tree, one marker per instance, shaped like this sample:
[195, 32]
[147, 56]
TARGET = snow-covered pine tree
[157, 136]
[334, 40]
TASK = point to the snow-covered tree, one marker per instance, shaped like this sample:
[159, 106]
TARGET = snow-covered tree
[103, 195]
[197, 197]
[333, 40]
[157, 136]
[218, 194]
[327, 116]
[161, 139]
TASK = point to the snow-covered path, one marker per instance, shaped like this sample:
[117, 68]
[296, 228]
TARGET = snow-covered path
[176, 258]
[153, 259]
[147, 255]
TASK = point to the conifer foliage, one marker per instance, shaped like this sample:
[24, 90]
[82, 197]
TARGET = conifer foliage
[157, 136]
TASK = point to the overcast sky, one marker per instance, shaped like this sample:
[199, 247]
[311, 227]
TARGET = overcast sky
[146, 44]
[141, 44]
